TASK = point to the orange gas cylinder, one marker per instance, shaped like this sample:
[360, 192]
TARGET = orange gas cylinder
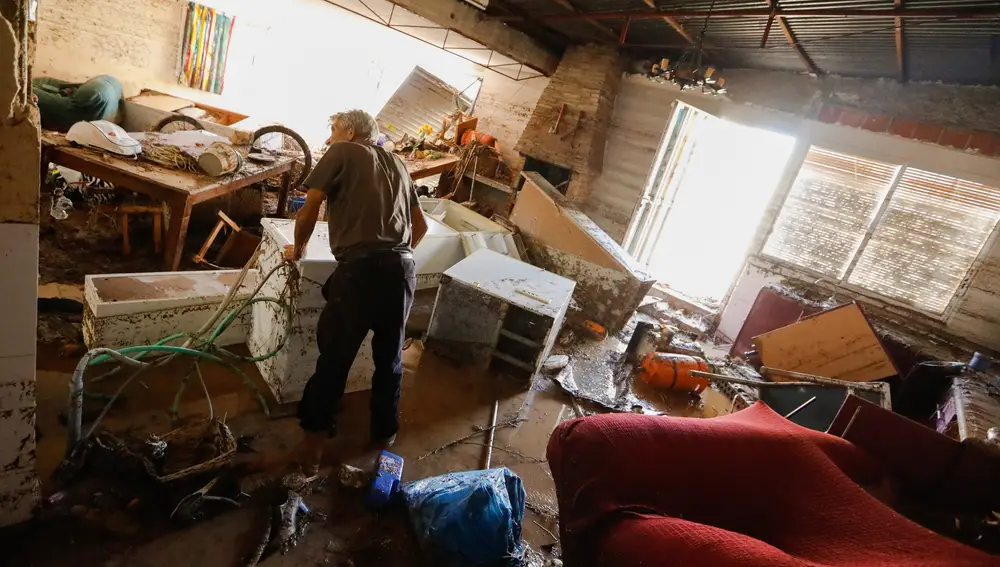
[668, 370]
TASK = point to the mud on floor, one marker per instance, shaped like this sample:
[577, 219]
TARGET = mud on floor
[440, 403]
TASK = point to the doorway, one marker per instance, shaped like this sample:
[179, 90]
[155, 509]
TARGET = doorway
[705, 198]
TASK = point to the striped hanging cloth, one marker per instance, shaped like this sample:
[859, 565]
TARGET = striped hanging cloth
[207, 33]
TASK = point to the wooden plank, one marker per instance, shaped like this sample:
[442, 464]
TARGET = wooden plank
[479, 179]
[163, 102]
[900, 50]
[419, 169]
[596, 25]
[793, 41]
[838, 343]
[678, 27]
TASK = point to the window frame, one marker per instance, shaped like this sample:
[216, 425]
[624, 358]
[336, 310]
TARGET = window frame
[843, 282]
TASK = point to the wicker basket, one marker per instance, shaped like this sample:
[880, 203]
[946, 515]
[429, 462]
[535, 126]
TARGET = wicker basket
[199, 431]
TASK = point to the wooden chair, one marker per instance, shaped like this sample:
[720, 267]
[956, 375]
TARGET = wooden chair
[122, 212]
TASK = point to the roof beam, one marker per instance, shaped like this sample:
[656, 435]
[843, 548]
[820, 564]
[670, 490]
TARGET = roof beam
[468, 21]
[552, 38]
[672, 22]
[594, 23]
[767, 31]
[955, 13]
[900, 53]
[790, 36]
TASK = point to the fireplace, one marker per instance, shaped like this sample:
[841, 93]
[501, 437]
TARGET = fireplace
[554, 174]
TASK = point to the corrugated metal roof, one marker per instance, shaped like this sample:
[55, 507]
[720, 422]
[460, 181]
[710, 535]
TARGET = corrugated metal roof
[936, 49]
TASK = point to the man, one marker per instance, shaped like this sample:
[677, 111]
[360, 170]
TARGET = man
[375, 221]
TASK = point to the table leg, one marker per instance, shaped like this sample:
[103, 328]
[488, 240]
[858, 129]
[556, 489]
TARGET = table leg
[180, 214]
[158, 231]
[126, 245]
[44, 169]
[286, 181]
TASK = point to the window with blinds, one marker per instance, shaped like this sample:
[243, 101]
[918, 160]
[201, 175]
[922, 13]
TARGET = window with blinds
[828, 210]
[899, 232]
[927, 240]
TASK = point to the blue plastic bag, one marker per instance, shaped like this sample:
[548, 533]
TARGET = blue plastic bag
[469, 518]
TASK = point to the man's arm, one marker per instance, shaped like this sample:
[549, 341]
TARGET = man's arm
[305, 222]
[322, 182]
[419, 226]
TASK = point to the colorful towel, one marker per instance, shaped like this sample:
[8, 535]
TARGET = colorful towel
[207, 33]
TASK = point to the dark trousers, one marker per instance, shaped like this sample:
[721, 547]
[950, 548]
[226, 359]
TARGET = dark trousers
[370, 293]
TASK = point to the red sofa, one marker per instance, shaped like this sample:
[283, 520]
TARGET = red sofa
[747, 489]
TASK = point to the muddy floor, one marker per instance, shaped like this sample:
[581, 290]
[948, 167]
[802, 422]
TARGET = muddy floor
[101, 525]
[101, 522]
[90, 242]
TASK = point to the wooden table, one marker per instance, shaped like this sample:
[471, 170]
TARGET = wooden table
[180, 190]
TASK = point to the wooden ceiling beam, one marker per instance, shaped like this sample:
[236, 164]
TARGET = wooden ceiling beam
[910, 13]
[593, 23]
[543, 33]
[900, 49]
[767, 31]
[672, 22]
[790, 36]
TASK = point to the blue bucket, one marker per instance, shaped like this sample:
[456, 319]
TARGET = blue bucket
[295, 203]
[980, 362]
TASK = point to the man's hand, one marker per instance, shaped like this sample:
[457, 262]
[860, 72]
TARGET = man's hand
[305, 222]
[293, 252]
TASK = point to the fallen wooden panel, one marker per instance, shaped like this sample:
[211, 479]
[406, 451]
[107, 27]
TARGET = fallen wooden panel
[563, 240]
[838, 343]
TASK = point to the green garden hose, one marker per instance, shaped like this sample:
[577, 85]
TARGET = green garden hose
[194, 346]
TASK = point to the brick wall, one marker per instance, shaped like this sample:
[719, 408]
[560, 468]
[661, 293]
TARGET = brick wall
[937, 133]
[19, 162]
[586, 82]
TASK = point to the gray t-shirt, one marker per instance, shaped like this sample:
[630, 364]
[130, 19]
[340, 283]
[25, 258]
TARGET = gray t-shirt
[369, 196]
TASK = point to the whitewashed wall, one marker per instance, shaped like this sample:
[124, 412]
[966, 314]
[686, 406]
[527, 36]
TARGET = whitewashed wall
[295, 61]
[19, 265]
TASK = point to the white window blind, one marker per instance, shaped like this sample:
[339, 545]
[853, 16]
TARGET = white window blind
[927, 240]
[828, 211]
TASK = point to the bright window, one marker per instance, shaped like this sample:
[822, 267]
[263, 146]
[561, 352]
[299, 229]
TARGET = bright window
[827, 212]
[898, 232]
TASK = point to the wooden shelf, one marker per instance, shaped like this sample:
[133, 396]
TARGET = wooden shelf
[514, 361]
[518, 338]
[499, 186]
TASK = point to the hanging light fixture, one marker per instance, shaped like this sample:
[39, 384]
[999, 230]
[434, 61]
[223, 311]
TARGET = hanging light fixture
[690, 71]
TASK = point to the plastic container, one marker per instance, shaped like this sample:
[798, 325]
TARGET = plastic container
[296, 203]
[386, 480]
[673, 371]
[980, 362]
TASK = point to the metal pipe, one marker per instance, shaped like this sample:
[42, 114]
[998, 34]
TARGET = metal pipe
[747, 382]
[800, 408]
[821, 380]
[968, 13]
[493, 432]
[843, 434]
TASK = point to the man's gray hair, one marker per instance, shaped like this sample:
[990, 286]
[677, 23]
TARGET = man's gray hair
[365, 128]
